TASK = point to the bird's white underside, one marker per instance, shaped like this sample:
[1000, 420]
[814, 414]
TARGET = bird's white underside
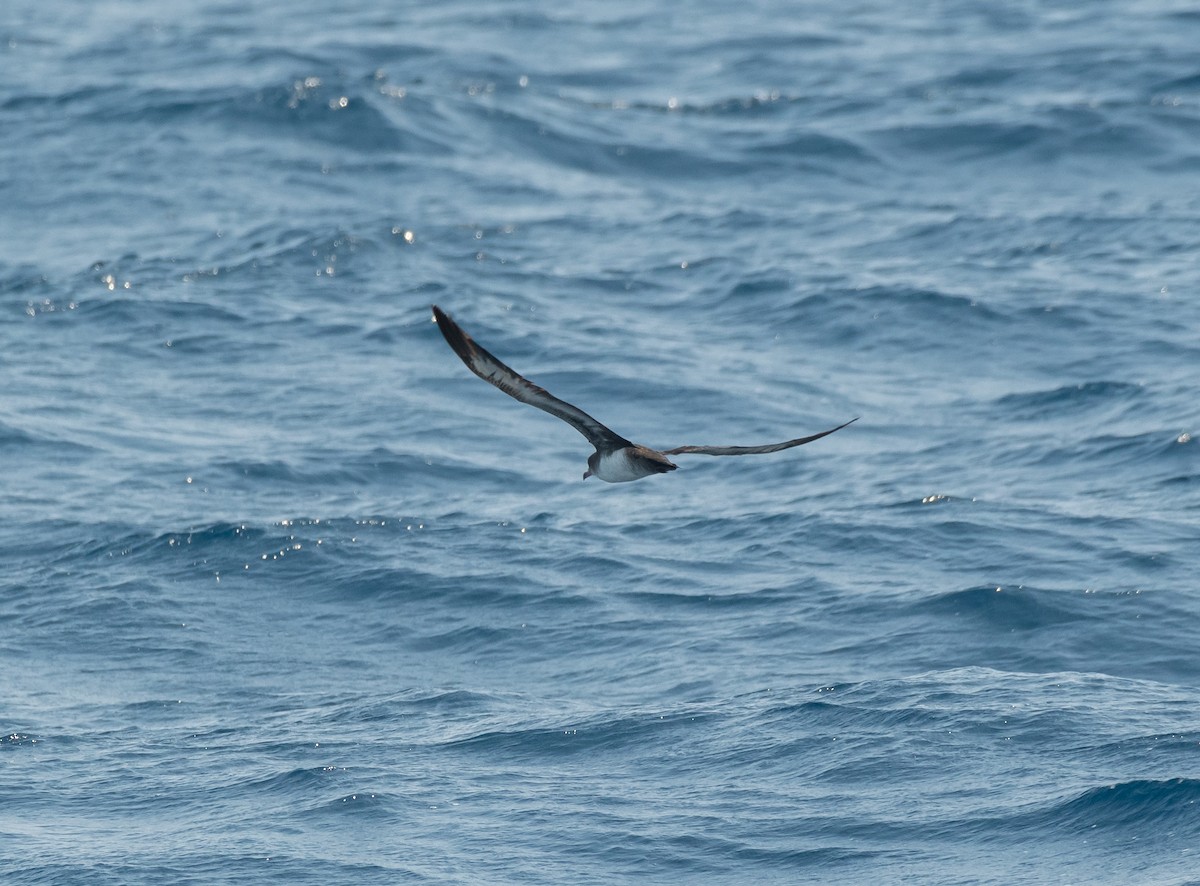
[616, 467]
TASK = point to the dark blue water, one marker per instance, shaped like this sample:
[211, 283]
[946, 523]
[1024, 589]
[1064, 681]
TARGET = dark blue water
[290, 596]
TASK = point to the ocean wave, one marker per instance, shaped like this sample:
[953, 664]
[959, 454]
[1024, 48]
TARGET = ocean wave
[1081, 397]
[586, 735]
[896, 316]
[1166, 804]
[1009, 608]
[1155, 450]
[596, 150]
[966, 141]
[19, 441]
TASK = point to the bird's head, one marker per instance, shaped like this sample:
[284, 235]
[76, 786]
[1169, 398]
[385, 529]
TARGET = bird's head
[593, 464]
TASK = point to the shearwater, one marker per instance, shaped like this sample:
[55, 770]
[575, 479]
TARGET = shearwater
[616, 460]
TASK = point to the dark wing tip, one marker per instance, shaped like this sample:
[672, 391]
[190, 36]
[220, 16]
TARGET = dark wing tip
[454, 335]
[442, 318]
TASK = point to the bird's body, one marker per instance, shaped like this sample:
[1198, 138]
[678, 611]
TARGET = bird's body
[627, 463]
[616, 460]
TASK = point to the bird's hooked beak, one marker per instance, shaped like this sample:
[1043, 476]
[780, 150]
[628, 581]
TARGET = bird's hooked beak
[587, 473]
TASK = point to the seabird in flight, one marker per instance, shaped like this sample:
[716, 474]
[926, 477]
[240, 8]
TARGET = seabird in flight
[616, 460]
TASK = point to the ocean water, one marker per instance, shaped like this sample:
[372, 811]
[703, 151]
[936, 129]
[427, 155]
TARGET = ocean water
[289, 596]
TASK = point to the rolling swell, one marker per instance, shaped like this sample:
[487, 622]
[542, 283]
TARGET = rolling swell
[289, 595]
[1168, 804]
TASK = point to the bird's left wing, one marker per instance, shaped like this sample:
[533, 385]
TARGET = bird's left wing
[489, 367]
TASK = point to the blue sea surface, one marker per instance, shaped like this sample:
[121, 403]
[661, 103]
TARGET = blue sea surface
[290, 596]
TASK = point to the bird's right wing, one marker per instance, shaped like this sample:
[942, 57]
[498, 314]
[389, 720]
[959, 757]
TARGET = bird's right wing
[752, 450]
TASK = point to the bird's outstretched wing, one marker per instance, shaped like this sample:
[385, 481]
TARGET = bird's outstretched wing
[491, 370]
[751, 450]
